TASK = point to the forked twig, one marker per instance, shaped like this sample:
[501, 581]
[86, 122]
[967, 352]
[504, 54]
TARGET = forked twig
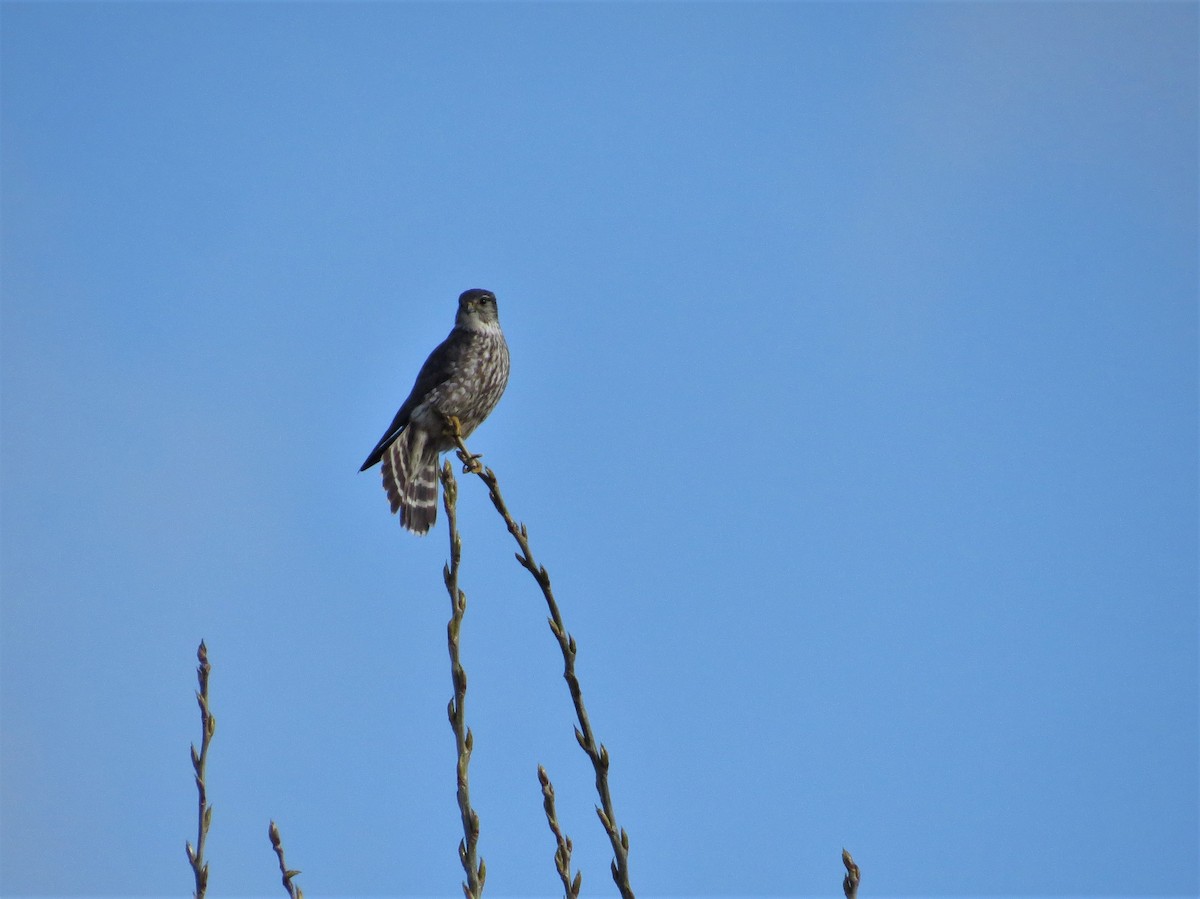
[286, 873]
[208, 725]
[476, 870]
[596, 752]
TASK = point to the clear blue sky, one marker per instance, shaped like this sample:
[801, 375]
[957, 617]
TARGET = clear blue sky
[853, 411]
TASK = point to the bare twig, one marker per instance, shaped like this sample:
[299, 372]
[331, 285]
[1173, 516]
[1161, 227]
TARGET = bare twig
[596, 752]
[208, 724]
[476, 871]
[850, 882]
[287, 873]
[562, 852]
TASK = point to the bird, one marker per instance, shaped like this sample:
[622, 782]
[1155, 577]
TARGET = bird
[463, 378]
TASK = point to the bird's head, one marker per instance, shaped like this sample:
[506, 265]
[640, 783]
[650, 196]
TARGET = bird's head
[477, 310]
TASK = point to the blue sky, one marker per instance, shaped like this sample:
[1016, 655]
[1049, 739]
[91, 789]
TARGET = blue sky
[853, 411]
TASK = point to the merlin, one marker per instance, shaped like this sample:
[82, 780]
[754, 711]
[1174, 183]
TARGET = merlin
[463, 378]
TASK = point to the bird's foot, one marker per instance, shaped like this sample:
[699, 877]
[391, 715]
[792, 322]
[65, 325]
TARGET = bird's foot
[470, 462]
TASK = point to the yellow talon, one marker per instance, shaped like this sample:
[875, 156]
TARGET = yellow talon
[470, 461]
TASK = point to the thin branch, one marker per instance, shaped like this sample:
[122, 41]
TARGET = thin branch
[476, 870]
[208, 725]
[562, 852]
[596, 752]
[287, 873]
[850, 882]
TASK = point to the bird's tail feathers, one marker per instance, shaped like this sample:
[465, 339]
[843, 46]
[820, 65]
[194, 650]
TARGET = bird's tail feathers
[410, 478]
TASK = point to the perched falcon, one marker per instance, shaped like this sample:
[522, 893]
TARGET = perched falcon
[463, 377]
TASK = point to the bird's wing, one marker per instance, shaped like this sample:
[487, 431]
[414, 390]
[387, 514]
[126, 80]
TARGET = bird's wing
[433, 372]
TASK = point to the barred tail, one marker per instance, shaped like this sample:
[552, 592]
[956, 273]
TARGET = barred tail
[411, 480]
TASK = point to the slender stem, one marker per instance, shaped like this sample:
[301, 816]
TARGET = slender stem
[208, 725]
[850, 882]
[562, 851]
[293, 890]
[476, 870]
[596, 752]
